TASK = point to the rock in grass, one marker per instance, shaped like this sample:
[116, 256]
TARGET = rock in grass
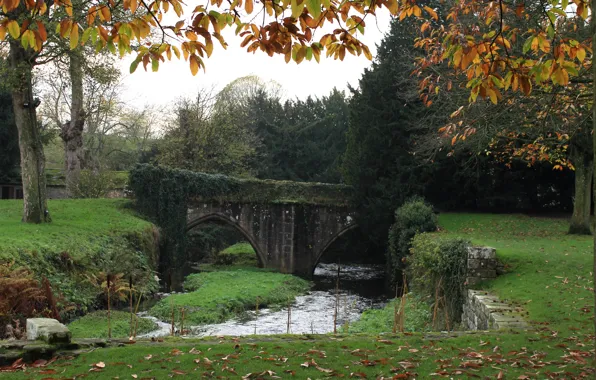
[48, 330]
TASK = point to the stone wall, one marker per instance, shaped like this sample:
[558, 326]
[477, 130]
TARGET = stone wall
[482, 264]
[484, 311]
[59, 192]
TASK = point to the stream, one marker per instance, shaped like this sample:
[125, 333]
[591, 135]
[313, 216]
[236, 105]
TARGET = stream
[360, 289]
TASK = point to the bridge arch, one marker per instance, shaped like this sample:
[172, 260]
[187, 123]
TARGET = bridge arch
[329, 243]
[227, 220]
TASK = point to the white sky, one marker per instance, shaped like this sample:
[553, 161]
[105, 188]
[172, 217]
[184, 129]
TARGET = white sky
[309, 78]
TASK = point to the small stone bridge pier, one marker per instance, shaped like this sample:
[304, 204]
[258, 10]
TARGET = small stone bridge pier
[289, 237]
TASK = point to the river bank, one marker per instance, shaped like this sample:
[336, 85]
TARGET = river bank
[229, 299]
[87, 239]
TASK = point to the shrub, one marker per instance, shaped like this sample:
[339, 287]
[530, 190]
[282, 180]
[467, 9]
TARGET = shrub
[437, 270]
[22, 296]
[93, 184]
[413, 217]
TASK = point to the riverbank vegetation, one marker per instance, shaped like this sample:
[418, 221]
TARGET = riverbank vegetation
[214, 297]
[87, 239]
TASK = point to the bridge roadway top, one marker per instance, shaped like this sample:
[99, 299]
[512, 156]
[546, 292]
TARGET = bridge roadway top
[282, 192]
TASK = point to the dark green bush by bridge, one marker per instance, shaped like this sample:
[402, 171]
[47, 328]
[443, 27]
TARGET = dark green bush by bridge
[413, 217]
[437, 271]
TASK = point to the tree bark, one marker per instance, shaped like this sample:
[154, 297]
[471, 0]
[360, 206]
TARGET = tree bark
[72, 131]
[35, 209]
[580, 220]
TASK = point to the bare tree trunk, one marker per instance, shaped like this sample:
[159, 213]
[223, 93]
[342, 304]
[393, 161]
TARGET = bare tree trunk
[35, 209]
[72, 131]
[580, 220]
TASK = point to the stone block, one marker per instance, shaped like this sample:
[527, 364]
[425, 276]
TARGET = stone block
[483, 273]
[48, 330]
[474, 263]
[482, 253]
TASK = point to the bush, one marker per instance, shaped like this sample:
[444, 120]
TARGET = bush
[414, 216]
[437, 264]
[93, 184]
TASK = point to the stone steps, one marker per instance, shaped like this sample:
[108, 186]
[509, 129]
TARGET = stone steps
[485, 311]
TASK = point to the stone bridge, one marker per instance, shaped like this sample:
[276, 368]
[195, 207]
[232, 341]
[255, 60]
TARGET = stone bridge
[289, 224]
[289, 237]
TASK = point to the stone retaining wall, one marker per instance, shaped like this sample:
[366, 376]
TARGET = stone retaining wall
[484, 311]
[482, 264]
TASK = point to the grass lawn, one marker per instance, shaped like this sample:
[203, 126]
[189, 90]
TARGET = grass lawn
[549, 272]
[490, 356]
[95, 325]
[214, 297]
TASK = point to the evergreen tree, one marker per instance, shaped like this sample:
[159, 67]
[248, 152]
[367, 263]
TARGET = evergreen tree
[301, 140]
[384, 111]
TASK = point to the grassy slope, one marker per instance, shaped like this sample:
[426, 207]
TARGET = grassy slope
[66, 250]
[240, 249]
[217, 296]
[76, 224]
[549, 272]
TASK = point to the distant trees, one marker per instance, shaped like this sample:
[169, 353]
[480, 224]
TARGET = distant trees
[248, 129]
[113, 135]
[201, 137]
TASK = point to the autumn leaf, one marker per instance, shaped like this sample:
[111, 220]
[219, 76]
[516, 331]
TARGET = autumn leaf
[13, 29]
[74, 37]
